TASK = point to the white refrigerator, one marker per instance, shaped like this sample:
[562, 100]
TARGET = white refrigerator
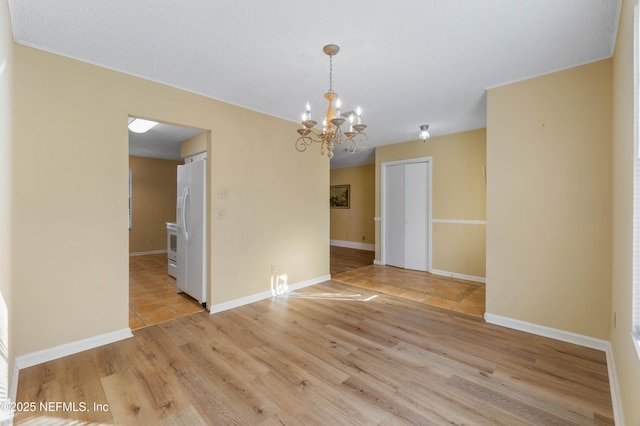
[191, 229]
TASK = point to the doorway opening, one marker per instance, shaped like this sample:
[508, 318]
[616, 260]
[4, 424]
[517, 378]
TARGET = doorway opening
[154, 157]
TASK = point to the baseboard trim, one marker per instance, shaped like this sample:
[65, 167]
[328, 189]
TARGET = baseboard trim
[614, 387]
[459, 276]
[38, 357]
[353, 245]
[577, 339]
[145, 253]
[553, 333]
[236, 303]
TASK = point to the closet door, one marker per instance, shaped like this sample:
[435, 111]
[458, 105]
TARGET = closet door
[394, 216]
[406, 210]
[416, 237]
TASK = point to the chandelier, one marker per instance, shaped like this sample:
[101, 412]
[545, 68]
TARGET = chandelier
[332, 133]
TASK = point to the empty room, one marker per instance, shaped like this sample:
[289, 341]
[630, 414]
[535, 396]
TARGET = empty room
[450, 240]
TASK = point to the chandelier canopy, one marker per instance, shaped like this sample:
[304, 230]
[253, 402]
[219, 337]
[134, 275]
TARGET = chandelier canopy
[332, 133]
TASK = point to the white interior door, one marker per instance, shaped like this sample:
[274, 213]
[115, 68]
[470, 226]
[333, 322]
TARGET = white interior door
[394, 216]
[416, 216]
[407, 215]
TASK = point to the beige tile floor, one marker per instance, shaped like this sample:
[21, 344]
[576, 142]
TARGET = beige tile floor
[457, 295]
[152, 293]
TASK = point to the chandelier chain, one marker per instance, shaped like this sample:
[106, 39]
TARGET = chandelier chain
[330, 74]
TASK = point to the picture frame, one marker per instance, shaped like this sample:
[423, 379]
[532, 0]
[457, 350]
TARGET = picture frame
[340, 196]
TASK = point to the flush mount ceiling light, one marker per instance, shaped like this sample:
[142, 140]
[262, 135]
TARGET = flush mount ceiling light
[332, 133]
[138, 125]
[424, 132]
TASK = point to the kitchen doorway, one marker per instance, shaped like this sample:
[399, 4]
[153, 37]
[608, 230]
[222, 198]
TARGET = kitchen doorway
[153, 160]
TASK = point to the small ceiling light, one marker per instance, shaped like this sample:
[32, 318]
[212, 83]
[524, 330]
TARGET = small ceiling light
[139, 125]
[424, 132]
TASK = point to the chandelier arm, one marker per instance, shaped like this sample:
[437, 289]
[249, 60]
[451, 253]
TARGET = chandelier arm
[302, 144]
[314, 136]
[361, 143]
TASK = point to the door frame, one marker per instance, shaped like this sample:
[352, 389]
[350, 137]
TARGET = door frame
[383, 177]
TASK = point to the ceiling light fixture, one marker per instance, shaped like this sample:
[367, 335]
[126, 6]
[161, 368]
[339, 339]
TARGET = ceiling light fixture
[424, 132]
[332, 133]
[138, 125]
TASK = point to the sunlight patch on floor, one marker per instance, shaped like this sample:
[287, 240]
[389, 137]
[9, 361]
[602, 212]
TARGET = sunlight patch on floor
[331, 296]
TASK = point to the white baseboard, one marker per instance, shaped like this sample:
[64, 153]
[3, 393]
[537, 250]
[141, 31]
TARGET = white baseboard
[577, 339]
[459, 276]
[553, 333]
[353, 245]
[145, 253]
[236, 303]
[377, 262]
[614, 387]
[38, 357]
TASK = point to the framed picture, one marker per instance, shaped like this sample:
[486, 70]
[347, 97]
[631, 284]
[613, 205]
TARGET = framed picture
[340, 196]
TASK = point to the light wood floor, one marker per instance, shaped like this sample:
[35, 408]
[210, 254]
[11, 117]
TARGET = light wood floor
[298, 360]
[343, 259]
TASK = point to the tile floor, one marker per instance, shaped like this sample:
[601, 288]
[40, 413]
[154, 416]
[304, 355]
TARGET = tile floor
[457, 295]
[153, 298]
[152, 293]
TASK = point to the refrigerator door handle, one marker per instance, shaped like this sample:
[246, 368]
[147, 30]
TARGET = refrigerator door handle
[185, 195]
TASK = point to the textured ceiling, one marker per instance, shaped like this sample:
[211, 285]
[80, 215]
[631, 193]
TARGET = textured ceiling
[406, 62]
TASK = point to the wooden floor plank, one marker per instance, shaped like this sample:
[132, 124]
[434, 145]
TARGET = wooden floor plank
[326, 360]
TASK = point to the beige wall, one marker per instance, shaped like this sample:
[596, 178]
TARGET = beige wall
[458, 193]
[70, 190]
[194, 145]
[626, 358]
[6, 130]
[549, 200]
[356, 223]
[154, 184]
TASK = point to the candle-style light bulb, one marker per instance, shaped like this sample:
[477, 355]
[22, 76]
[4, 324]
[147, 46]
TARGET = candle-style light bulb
[308, 113]
[351, 122]
[359, 112]
[338, 104]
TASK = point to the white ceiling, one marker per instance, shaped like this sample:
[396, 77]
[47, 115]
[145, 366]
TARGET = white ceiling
[406, 62]
[162, 141]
